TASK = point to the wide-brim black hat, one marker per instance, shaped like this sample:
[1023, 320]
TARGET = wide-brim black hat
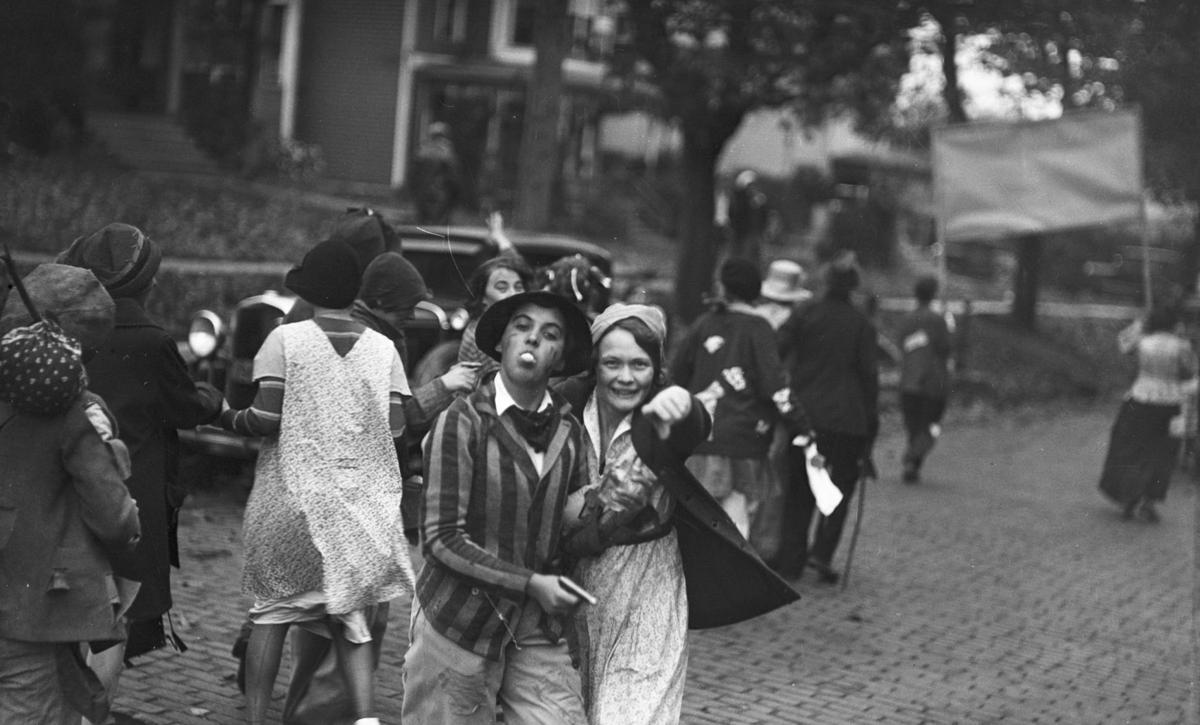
[577, 352]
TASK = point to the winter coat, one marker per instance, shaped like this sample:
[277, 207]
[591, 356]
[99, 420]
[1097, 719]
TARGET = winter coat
[142, 377]
[64, 514]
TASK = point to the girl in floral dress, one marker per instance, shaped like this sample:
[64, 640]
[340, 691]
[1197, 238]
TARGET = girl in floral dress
[323, 538]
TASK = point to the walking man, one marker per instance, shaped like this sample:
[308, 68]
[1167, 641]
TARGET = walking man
[832, 349]
[924, 376]
[488, 620]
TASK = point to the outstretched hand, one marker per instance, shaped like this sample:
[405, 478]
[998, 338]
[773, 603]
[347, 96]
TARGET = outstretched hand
[670, 406]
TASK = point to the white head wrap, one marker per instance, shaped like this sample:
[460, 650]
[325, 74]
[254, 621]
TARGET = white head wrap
[652, 316]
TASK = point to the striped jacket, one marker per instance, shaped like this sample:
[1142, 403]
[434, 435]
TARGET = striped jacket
[488, 521]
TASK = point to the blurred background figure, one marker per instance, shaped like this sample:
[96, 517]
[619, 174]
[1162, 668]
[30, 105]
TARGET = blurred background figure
[925, 346]
[729, 354]
[832, 349]
[436, 182]
[578, 280]
[782, 289]
[502, 276]
[749, 217]
[1141, 450]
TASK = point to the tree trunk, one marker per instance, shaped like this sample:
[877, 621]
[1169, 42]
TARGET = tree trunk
[1025, 284]
[697, 235]
[539, 168]
[951, 92]
[1191, 258]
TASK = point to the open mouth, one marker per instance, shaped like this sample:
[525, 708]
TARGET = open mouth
[527, 357]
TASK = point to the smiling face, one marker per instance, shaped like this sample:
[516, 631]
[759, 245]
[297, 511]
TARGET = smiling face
[532, 346]
[502, 283]
[624, 373]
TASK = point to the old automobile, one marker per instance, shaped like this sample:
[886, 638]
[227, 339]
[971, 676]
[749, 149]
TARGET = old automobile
[222, 352]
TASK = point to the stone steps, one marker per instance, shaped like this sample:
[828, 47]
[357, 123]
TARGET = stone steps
[150, 142]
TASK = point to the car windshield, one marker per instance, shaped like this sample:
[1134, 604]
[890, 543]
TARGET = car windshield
[445, 275]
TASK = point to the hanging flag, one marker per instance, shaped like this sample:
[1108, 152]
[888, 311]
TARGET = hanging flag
[999, 179]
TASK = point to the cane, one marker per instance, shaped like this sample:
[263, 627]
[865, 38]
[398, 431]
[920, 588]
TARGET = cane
[868, 472]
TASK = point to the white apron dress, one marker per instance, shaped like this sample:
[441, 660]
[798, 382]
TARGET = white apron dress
[324, 514]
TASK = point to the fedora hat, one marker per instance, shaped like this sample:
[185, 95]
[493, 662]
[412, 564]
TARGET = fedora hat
[577, 352]
[785, 282]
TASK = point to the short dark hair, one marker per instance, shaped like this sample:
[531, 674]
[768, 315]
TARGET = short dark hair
[479, 279]
[925, 289]
[741, 279]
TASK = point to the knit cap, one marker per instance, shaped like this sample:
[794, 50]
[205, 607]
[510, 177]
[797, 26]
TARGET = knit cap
[121, 256]
[367, 233]
[392, 284]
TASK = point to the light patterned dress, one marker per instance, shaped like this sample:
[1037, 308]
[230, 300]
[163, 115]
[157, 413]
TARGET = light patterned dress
[637, 631]
[325, 510]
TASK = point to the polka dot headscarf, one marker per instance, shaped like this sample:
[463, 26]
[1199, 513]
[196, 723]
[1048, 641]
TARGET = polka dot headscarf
[41, 369]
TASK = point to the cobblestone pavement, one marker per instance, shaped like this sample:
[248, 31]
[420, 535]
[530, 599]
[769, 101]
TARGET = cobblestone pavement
[1001, 589]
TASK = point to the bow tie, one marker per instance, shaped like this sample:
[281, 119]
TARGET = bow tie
[535, 428]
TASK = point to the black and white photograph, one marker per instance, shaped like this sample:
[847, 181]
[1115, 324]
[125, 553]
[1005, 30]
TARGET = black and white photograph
[599, 362]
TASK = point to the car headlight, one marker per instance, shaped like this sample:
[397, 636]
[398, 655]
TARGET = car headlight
[205, 334]
[459, 319]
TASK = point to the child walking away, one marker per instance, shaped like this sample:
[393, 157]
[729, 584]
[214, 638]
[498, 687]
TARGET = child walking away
[65, 514]
[488, 621]
[324, 543]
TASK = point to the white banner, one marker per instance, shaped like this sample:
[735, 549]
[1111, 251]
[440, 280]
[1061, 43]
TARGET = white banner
[999, 179]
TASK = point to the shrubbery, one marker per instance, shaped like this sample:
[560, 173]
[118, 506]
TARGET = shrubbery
[50, 201]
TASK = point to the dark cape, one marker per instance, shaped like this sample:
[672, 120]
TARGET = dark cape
[726, 580]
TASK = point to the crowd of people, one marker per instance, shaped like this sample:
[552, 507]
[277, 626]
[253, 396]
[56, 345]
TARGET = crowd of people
[585, 493]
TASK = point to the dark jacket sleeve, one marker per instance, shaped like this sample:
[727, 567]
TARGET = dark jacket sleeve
[691, 431]
[683, 363]
[868, 376]
[186, 403]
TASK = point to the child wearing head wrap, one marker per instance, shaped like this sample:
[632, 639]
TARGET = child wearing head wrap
[141, 375]
[65, 514]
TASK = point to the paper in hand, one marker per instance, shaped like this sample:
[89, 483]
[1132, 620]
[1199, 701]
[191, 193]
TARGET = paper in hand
[828, 496]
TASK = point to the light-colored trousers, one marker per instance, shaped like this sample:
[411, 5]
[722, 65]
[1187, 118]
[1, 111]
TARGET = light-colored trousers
[445, 683]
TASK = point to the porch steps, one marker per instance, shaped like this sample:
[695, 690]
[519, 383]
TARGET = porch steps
[149, 142]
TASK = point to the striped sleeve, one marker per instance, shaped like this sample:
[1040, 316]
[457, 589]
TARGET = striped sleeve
[450, 467]
[426, 403]
[263, 415]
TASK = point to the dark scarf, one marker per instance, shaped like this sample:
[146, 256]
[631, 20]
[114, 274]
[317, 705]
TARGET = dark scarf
[536, 428]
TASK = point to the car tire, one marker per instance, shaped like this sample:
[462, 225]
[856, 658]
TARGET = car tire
[436, 362]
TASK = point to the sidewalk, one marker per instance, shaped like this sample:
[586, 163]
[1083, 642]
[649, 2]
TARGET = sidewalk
[1001, 589]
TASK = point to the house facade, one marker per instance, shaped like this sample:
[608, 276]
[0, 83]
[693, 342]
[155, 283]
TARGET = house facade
[362, 80]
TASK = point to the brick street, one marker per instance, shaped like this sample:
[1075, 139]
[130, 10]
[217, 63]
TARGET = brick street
[1001, 589]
